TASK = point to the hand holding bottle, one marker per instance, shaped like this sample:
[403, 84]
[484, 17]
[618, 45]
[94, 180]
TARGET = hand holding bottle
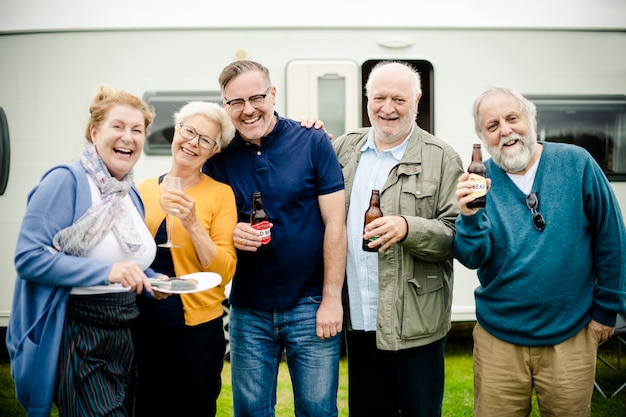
[465, 194]
[260, 221]
[478, 177]
[379, 231]
[247, 238]
[256, 235]
[372, 213]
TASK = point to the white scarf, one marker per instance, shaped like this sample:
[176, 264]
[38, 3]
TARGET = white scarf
[109, 215]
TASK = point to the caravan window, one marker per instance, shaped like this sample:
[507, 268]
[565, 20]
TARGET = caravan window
[596, 123]
[165, 104]
[327, 90]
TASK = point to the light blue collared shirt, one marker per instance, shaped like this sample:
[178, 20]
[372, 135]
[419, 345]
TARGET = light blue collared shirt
[362, 267]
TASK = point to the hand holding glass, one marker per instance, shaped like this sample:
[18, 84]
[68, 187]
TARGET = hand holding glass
[169, 183]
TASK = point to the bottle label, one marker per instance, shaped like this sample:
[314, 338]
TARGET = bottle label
[373, 238]
[265, 231]
[479, 183]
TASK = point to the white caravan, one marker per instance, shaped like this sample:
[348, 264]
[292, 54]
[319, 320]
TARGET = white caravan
[567, 55]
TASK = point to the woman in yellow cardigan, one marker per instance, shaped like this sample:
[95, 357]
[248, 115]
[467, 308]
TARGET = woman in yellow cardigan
[180, 340]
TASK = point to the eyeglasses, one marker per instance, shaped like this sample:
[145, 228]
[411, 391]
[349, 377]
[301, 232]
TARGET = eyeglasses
[532, 202]
[256, 101]
[189, 133]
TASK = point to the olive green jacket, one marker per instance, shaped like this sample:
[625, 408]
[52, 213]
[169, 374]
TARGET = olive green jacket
[415, 275]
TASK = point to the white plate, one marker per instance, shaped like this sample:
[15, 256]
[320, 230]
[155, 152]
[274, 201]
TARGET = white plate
[206, 280]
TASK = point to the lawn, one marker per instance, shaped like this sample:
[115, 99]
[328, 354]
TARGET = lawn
[458, 396]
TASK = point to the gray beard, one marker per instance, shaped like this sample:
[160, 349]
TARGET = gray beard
[514, 163]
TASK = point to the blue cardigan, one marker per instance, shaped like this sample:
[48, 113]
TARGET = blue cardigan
[44, 281]
[539, 288]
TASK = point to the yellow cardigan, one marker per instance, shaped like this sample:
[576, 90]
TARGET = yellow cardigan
[217, 211]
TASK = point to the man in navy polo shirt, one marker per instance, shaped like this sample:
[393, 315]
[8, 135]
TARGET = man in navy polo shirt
[289, 296]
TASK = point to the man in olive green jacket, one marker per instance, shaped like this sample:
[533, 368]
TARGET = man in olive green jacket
[399, 298]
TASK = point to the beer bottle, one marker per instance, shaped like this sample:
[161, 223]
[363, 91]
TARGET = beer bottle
[478, 174]
[373, 212]
[260, 221]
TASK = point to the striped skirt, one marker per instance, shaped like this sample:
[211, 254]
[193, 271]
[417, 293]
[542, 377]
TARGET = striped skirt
[95, 370]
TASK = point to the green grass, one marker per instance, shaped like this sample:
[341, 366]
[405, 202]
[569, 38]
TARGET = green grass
[458, 396]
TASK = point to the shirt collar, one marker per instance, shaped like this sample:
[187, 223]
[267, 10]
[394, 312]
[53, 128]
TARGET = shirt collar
[397, 152]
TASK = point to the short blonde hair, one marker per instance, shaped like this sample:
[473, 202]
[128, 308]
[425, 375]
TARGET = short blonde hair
[212, 112]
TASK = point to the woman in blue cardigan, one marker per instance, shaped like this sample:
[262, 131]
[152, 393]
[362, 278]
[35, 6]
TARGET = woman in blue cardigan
[82, 256]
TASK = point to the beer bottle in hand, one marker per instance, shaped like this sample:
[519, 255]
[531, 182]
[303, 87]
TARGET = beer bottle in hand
[260, 221]
[373, 212]
[478, 174]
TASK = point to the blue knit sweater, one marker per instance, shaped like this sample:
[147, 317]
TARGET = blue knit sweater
[539, 288]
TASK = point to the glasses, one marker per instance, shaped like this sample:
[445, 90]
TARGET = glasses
[532, 202]
[189, 133]
[256, 101]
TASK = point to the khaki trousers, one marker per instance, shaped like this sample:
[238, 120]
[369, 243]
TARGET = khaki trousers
[562, 376]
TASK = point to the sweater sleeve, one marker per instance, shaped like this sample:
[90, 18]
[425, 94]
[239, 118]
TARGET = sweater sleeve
[52, 206]
[217, 212]
[472, 244]
[221, 228]
[608, 245]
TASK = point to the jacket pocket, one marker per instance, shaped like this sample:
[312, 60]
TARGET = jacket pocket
[418, 198]
[423, 304]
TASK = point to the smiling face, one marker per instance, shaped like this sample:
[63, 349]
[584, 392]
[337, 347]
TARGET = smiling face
[508, 135]
[119, 139]
[188, 153]
[392, 101]
[251, 123]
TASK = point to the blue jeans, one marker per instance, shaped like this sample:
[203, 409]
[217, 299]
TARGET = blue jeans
[257, 340]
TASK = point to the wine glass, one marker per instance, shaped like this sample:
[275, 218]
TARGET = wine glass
[169, 183]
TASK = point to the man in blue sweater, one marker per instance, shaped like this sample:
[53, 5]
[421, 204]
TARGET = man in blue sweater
[549, 249]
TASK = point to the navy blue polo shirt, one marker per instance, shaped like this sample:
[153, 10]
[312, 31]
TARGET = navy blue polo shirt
[291, 168]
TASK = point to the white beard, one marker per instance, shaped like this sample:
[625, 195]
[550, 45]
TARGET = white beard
[513, 160]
